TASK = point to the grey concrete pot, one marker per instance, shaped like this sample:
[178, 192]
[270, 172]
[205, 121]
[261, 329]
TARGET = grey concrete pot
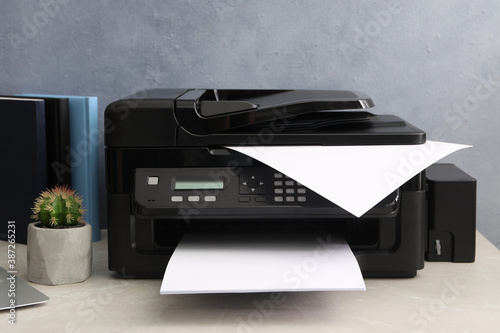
[59, 256]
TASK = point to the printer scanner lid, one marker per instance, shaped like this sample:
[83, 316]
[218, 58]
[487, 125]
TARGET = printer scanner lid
[211, 111]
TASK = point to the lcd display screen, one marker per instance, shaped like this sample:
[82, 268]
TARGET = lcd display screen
[198, 185]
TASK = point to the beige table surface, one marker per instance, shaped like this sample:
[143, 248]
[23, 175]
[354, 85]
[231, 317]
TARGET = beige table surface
[444, 297]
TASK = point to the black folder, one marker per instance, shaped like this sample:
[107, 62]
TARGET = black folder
[24, 162]
[58, 141]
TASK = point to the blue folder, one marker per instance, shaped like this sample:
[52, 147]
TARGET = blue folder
[84, 141]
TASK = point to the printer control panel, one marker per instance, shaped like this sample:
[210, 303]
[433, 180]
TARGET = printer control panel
[281, 188]
[220, 188]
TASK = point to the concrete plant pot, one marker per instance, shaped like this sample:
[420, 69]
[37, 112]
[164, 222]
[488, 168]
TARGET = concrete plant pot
[59, 255]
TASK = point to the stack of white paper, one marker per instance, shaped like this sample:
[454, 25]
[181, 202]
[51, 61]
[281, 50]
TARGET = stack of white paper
[261, 263]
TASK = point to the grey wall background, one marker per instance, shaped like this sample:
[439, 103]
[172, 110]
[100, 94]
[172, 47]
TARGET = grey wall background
[434, 63]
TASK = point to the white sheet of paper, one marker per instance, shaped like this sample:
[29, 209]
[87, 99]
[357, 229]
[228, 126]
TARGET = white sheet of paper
[261, 263]
[355, 178]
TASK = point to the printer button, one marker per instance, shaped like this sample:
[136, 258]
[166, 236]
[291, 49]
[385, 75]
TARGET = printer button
[289, 183]
[253, 183]
[153, 180]
[278, 191]
[176, 198]
[278, 199]
[301, 191]
[244, 199]
[193, 198]
[210, 198]
[290, 199]
[301, 199]
[278, 175]
[290, 191]
[278, 183]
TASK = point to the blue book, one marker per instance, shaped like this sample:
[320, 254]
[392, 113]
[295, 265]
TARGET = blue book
[84, 141]
[23, 168]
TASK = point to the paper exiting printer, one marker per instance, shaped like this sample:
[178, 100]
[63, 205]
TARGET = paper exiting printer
[168, 173]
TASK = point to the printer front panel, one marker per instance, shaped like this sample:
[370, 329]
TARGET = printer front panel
[147, 217]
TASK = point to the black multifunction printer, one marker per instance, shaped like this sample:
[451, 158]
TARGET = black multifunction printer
[168, 174]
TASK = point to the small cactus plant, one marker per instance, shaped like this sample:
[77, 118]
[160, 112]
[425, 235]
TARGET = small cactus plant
[58, 207]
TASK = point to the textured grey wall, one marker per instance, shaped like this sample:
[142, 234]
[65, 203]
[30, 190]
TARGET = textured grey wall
[434, 63]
